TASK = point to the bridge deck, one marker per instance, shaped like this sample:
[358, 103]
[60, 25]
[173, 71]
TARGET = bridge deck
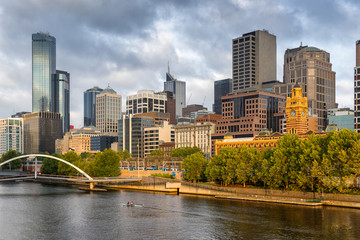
[65, 178]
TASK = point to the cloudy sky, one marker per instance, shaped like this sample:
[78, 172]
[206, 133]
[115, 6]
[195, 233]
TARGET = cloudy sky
[128, 44]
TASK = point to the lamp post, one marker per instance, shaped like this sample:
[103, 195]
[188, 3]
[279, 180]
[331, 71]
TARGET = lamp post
[138, 146]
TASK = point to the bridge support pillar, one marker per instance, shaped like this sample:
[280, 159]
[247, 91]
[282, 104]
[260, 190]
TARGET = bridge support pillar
[91, 185]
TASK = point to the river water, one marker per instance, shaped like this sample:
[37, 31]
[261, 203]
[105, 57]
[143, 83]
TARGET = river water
[37, 211]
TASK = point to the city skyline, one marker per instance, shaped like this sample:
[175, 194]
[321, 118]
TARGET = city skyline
[121, 43]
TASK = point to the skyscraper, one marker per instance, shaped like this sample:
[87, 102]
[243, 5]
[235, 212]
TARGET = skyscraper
[108, 111]
[90, 105]
[310, 68]
[221, 88]
[357, 89]
[254, 59]
[62, 98]
[43, 72]
[179, 89]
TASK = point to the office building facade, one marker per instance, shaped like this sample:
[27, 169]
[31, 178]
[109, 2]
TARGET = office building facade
[310, 68]
[199, 135]
[77, 140]
[62, 98]
[41, 129]
[221, 88]
[146, 101]
[43, 72]
[131, 134]
[342, 117]
[246, 113]
[11, 135]
[108, 111]
[90, 105]
[178, 88]
[153, 136]
[100, 143]
[254, 60]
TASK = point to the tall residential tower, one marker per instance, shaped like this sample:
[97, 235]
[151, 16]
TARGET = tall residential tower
[43, 72]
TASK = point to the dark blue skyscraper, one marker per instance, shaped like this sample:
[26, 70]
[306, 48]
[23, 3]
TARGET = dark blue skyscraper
[221, 88]
[43, 72]
[62, 98]
[90, 106]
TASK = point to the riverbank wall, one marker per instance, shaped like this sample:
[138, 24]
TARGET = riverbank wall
[312, 199]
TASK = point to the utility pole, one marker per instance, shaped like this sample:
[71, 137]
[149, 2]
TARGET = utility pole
[138, 145]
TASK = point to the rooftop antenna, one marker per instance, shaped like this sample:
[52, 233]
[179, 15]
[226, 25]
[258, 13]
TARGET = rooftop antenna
[168, 67]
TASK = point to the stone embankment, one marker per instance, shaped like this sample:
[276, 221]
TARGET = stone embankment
[311, 199]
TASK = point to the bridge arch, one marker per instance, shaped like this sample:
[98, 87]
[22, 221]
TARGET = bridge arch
[49, 156]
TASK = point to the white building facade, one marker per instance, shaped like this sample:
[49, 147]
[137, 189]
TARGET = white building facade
[146, 101]
[11, 135]
[108, 112]
[155, 135]
[199, 135]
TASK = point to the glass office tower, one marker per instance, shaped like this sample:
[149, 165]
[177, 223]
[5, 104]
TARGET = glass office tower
[179, 89]
[43, 72]
[90, 106]
[221, 89]
[62, 98]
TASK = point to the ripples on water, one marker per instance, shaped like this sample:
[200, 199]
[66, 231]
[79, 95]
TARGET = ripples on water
[35, 211]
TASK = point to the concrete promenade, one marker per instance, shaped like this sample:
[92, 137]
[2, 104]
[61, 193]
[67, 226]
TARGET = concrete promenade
[308, 199]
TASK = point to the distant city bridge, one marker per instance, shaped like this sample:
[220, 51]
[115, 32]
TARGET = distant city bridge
[86, 179]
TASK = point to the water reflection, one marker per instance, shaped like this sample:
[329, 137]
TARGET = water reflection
[49, 212]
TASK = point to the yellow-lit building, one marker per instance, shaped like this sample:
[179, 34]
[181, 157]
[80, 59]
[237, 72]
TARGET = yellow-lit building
[296, 123]
[77, 140]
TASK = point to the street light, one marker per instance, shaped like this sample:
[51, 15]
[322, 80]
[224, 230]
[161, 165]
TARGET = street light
[138, 146]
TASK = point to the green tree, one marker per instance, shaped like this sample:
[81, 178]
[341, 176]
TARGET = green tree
[184, 152]
[85, 155]
[157, 153]
[194, 165]
[65, 169]
[251, 165]
[222, 167]
[124, 154]
[266, 162]
[343, 158]
[49, 165]
[285, 162]
[105, 164]
[16, 164]
[309, 174]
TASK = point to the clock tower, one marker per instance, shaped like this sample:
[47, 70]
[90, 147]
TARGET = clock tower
[296, 112]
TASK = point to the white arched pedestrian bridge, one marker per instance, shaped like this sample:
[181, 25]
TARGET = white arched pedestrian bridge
[34, 156]
[88, 180]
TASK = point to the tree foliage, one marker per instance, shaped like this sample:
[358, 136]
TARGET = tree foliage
[318, 163]
[16, 164]
[157, 153]
[184, 151]
[194, 166]
[105, 164]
